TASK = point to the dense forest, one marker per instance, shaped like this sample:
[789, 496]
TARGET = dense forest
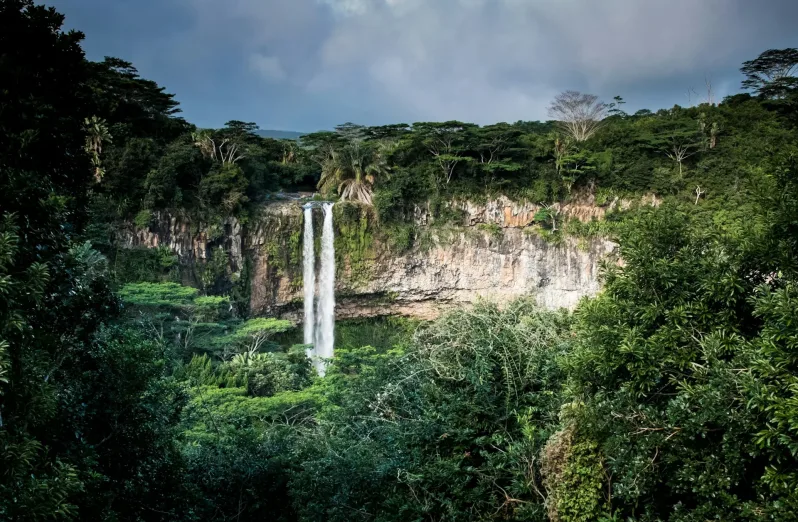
[127, 396]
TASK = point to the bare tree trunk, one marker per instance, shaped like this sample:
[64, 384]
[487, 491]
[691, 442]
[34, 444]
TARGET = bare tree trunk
[698, 194]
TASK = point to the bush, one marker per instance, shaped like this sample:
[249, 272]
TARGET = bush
[657, 366]
[492, 229]
[143, 219]
[131, 265]
[447, 429]
[399, 237]
[224, 187]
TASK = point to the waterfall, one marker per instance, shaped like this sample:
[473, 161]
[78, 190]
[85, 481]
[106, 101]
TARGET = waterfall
[326, 309]
[309, 277]
[319, 327]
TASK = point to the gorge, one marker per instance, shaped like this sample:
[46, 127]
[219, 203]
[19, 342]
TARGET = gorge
[493, 253]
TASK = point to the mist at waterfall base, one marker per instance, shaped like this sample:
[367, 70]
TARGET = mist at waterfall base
[319, 327]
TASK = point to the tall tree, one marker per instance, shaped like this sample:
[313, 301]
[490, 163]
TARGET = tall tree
[351, 131]
[96, 136]
[615, 108]
[83, 423]
[388, 132]
[133, 106]
[675, 135]
[662, 367]
[448, 143]
[498, 153]
[772, 73]
[44, 174]
[577, 114]
[227, 146]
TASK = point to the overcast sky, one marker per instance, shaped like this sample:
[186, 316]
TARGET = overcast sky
[310, 64]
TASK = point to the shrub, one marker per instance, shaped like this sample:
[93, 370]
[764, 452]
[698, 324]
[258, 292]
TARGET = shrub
[143, 218]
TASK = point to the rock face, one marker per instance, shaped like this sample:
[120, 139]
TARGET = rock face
[506, 213]
[191, 242]
[498, 262]
[494, 266]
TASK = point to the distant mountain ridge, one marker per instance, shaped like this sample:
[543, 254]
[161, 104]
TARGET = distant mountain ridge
[279, 134]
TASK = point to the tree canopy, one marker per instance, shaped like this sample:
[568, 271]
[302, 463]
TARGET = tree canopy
[772, 73]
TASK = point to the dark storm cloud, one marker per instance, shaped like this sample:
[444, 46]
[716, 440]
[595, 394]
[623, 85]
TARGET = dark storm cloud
[312, 63]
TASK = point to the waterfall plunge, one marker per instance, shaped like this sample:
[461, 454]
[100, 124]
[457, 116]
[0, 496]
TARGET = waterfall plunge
[319, 328]
[326, 309]
[309, 277]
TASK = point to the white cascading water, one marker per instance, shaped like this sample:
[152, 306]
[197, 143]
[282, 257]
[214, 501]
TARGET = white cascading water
[326, 310]
[309, 278]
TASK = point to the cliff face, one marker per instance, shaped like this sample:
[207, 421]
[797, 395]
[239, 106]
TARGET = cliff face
[492, 256]
[494, 266]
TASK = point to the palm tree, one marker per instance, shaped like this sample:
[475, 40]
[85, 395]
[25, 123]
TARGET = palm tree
[353, 169]
[96, 134]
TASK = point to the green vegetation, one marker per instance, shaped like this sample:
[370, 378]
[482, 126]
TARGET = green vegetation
[354, 241]
[351, 168]
[711, 156]
[491, 229]
[381, 333]
[253, 333]
[125, 395]
[154, 294]
[700, 155]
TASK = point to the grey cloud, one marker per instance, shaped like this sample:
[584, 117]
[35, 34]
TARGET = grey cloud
[287, 33]
[269, 67]
[489, 60]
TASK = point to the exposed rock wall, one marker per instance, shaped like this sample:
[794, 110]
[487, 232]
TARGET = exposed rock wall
[506, 213]
[472, 266]
[192, 242]
[511, 214]
[466, 265]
